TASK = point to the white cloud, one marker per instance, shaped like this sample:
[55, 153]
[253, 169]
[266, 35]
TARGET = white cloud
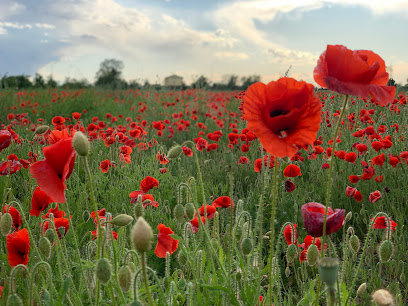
[232, 55]
[44, 26]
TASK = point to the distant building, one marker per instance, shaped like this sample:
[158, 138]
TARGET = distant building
[173, 81]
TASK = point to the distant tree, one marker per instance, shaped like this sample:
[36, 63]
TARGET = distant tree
[232, 82]
[23, 81]
[134, 84]
[248, 81]
[39, 81]
[109, 74]
[201, 82]
[391, 82]
[75, 84]
[51, 83]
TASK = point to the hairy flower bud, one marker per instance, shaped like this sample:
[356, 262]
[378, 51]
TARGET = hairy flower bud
[44, 246]
[348, 216]
[354, 244]
[41, 129]
[382, 297]
[174, 152]
[81, 144]
[142, 235]
[139, 207]
[190, 210]
[385, 251]
[178, 213]
[103, 270]
[124, 278]
[122, 220]
[6, 221]
[291, 253]
[312, 255]
[246, 246]
[361, 289]
[14, 300]
[49, 233]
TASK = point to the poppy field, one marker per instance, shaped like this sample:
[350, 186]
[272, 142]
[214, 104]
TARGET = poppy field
[278, 195]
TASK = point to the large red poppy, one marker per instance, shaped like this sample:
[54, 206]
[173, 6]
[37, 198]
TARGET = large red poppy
[39, 202]
[165, 243]
[359, 73]
[313, 217]
[57, 166]
[211, 210]
[18, 248]
[284, 115]
[148, 183]
[223, 202]
[292, 171]
[382, 223]
[5, 139]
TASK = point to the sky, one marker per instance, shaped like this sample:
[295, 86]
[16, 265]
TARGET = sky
[190, 38]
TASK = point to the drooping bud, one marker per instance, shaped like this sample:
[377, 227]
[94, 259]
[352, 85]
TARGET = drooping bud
[287, 271]
[81, 144]
[178, 213]
[44, 245]
[142, 235]
[291, 253]
[122, 220]
[103, 270]
[385, 251]
[348, 216]
[41, 129]
[361, 289]
[382, 297]
[174, 152]
[328, 269]
[49, 233]
[6, 221]
[246, 246]
[312, 255]
[354, 244]
[124, 278]
[14, 300]
[190, 210]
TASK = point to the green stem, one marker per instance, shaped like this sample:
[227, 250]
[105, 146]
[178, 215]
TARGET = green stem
[149, 297]
[272, 235]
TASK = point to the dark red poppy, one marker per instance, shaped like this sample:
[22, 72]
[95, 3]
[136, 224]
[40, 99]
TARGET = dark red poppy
[361, 148]
[18, 248]
[59, 223]
[187, 151]
[57, 166]
[374, 196]
[243, 160]
[10, 166]
[165, 243]
[223, 202]
[76, 115]
[39, 202]
[308, 241]
[147, 199]
[350, 191]
[358, 73]
[15, 215]
[284, 115]
[379, 178]
[148, 183]
[195, 223]
[358, 196]
[382, 223]
[5, 139]
[289, 185]
[292, 171]
[211, 210]
[354, 179]
[104, 165]
[55, 212]
[313, 216]
[287, 233]
[350, 157]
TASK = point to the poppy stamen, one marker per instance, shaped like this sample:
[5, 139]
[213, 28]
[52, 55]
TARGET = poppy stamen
[278, 112]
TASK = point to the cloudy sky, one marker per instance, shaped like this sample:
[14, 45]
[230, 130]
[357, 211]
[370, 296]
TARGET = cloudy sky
[156, 38]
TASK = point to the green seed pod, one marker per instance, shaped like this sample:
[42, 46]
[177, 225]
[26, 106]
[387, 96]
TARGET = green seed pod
[312, 255]
[287, 271]
[6, 222]
[354, 244]
[348, 216]
[80, 143]
[122, 220]
[361, 289]
[385, 251]
[174, 152]
[291, 253]
[178, 213]
[125, 278]
[328, 269]
[182, 259]
[14, 300]
[49, 233]
[142, 235]
[41, 129]
[44, 245]
[103, 270]
[246, 246]
[190, 210]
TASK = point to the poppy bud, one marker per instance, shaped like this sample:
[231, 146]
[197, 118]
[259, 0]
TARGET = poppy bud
[291, 253]
[49, 233]
[132, 267]
[174, 152]
[287, 272]
[246, 246]
[385, 251]
[328, 268]
[361, 289]
[61, 231]
[382, 297]
[312, 255]
[81, 144]
[124, 278]
[354, 244]
[182, 258]
[103, 270]
[178, 213]
[139, 207]
[122, 220]
[142, 235]
[14, 300]
[44, 246]
[190, 210]
[6, 221]
[41, 129]
[181, 284]
[348, 216]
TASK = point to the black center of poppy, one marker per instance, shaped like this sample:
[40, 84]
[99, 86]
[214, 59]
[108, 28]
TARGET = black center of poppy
[278, 112]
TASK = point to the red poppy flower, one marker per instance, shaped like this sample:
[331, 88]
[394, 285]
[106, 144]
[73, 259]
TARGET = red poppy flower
[163, 170]
[56, 213]
[313, 216]
[15, 215]
[223, 202]
[95, 235]
[10, 166]
[211, 210]
[284, 115]
[287, 233]
[187, 151]
[358, 196]
[59, 223]
[243, 160]
[361, 148]
[325, 166]
[292, 171]
[354, 179]
[76, 115]
[350, 157]
[195, 223]
[374, 196]
[5, 139]
[147, 199]
[39, 202]
[379, 178]
[308, 241]
[165, 243]
[148, 183]
[104, 165]
[57, 166]
[57, 120]
[382, 223]
[289, 186]
[350, 191]
[18, 248]
[358, 73]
